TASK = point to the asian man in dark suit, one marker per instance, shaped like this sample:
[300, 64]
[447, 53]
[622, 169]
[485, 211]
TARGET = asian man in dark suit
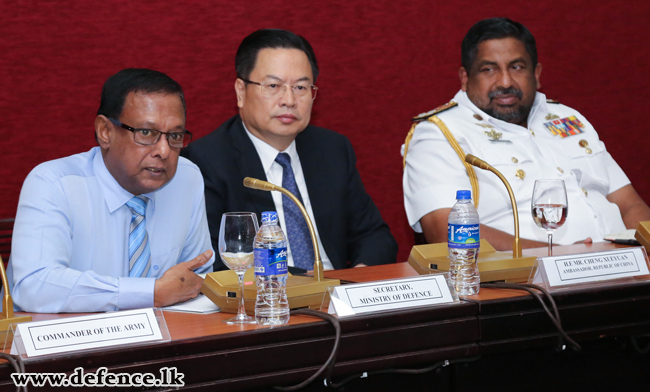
[271, 139]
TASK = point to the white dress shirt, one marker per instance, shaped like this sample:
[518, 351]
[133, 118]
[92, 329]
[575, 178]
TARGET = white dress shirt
[273, 172]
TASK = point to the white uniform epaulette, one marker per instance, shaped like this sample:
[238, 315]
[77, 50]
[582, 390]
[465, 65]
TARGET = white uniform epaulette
[430, 116]
[441, 108]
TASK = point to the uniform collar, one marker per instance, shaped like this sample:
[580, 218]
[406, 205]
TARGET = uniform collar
[539, 107]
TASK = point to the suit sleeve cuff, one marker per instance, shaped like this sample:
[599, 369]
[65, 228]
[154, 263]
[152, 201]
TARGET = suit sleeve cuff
[136, 293]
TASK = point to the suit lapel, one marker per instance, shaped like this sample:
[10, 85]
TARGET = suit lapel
[250, 165]
[313, 160]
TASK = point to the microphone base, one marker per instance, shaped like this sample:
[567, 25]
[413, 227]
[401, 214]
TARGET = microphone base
[6, 322]
[7, 316]
[492, 264]
[302, 291]
[643, 235]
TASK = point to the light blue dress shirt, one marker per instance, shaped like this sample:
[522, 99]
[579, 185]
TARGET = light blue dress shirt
[70, 242]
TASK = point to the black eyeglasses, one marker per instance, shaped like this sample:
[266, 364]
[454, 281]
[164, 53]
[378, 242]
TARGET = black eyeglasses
[274, 89]
[151, 136]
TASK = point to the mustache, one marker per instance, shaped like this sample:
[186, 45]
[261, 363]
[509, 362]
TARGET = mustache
[505, 91]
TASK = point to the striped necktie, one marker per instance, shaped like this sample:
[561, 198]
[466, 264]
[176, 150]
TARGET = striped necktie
[139, 253]
[302, 249]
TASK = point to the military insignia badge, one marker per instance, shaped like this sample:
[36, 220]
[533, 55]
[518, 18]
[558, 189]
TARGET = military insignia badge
[552, 116]
[495, 137]
[484, 125]
[520, 174]
[565, 127]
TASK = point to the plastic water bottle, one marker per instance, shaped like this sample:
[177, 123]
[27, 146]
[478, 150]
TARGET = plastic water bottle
[271, 306]
[463, 243]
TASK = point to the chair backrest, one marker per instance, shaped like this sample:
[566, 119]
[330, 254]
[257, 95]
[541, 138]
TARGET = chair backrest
[6, 231]
[419, 238]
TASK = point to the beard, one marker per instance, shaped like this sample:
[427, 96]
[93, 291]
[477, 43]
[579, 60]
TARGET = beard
[515, 114]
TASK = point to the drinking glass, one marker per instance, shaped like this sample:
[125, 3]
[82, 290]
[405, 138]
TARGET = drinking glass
[236, 238]
[549, 207]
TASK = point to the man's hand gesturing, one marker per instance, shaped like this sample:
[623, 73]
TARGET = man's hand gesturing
[180, 283]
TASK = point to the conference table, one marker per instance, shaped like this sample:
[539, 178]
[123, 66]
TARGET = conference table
[499, 339]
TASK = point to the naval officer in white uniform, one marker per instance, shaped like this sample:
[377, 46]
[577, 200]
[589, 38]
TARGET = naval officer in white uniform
[499, 117]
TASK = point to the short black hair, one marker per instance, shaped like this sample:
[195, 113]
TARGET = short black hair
[495, 28]
[270, 39]
[117, 87]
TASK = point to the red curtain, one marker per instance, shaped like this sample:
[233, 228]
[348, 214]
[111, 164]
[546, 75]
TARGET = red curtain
[381, 62]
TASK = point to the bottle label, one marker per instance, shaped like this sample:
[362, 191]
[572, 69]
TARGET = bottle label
[463, 236]
[271, 261]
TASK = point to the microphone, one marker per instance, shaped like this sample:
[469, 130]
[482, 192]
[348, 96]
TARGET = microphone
[474, 161]
[254, 183]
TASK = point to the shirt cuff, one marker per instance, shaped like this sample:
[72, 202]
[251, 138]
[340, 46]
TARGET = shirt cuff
[136, 293]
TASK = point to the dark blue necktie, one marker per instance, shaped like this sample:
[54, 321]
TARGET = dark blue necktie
[302, 249]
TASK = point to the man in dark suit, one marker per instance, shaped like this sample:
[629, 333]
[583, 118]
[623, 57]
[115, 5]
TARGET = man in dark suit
[271, 140]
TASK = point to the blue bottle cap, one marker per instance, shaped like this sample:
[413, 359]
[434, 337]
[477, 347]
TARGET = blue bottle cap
[269, 216]
[463, 195]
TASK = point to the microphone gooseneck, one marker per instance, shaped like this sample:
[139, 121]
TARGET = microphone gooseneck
[474, 161]
[254, 183]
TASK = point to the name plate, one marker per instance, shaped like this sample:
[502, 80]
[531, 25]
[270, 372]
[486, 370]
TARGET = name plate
[594, 267]
[88, 332]
[359, 298]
